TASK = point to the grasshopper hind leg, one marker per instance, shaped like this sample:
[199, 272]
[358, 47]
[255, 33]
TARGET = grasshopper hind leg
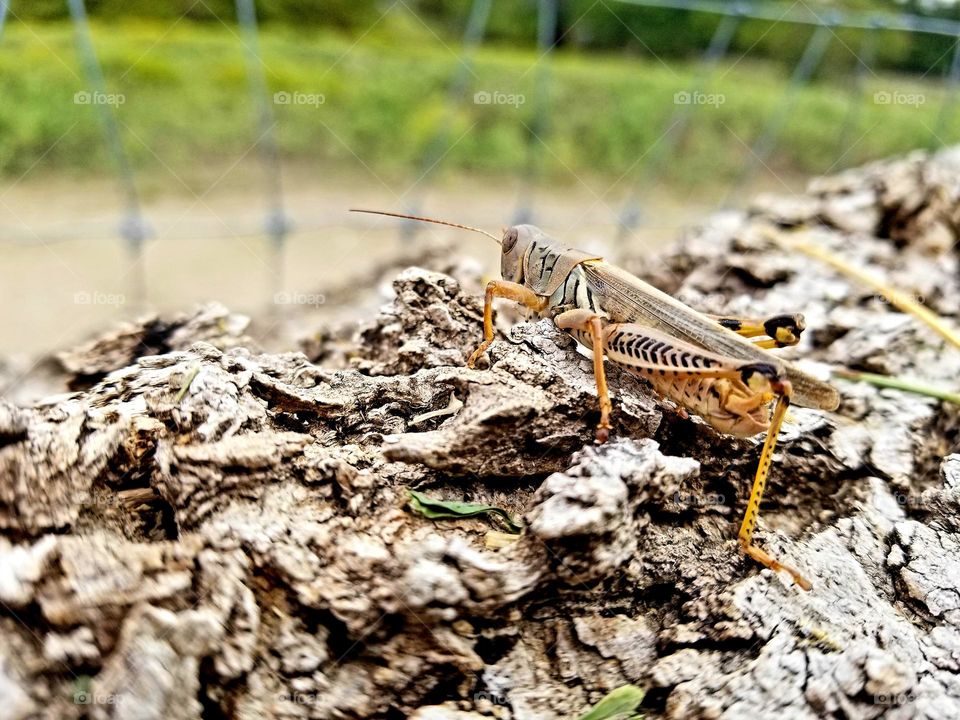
[749, 524]
[741, 389]
[776, 331]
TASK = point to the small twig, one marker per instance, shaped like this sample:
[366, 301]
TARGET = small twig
[451, 409]
[136, 496]
[897, 384]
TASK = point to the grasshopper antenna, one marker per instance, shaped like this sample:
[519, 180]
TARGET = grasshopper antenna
[426, 219]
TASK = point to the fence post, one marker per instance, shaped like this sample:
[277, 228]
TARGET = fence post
[277, 224]
[949, 97]
[133, 228]
[630, 215]
[547, 13]
[866, 56]
[767, 141]
[472, 37]
[4, 7]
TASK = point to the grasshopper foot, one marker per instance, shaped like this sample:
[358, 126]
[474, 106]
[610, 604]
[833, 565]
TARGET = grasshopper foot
[478, 353]
[603, 433]
[764, 559]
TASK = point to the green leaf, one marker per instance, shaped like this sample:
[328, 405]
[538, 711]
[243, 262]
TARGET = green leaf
[619, 703]
[452, 509]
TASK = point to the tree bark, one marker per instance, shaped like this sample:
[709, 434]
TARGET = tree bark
[205, 530]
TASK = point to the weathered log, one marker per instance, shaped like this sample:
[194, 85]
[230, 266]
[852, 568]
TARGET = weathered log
[207, 530]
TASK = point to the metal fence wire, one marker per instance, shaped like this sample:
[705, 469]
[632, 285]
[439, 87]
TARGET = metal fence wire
[133, 227]
[278, 225]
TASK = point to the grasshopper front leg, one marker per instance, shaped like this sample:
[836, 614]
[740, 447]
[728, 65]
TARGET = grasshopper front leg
[511, 291]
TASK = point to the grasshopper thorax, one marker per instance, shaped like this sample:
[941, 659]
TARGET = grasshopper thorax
[531, 257]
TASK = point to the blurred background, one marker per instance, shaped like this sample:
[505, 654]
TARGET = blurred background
[158, 154]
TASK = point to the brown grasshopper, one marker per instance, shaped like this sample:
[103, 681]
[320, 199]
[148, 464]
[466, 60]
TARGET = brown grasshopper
[705, 364]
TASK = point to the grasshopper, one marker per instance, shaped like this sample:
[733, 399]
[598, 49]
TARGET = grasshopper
[717, 367]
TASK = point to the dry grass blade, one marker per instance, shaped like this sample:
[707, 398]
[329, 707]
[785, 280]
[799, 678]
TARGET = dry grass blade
[897, 298]
[897, 384]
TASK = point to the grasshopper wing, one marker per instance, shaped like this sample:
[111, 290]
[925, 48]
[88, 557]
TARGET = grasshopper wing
[627, 298]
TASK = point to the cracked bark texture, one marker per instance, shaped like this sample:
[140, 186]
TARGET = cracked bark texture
[201, 529]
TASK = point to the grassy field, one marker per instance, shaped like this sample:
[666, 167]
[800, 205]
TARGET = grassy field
[181, 95]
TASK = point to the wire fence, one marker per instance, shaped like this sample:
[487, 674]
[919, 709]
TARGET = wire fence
[133, 228]
[278, 225]
[4, 8]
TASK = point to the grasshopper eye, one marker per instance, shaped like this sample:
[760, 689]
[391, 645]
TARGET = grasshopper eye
[510, 236]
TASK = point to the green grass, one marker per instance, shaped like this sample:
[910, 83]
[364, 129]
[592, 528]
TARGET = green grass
[186, 105]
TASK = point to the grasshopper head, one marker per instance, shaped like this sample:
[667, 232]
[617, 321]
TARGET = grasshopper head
[515, 244]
